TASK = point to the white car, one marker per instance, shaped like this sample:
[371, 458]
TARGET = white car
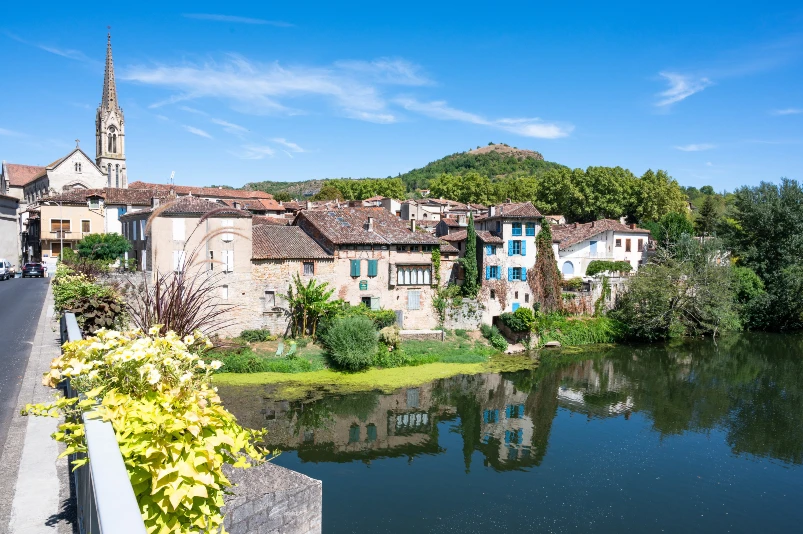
[6, 270]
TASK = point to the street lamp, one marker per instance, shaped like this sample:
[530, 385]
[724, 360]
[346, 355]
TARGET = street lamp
[61, 222]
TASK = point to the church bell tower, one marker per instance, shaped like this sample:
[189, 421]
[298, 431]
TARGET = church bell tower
[110, 129]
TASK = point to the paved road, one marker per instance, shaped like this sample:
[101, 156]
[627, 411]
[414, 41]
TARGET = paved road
[21, 301]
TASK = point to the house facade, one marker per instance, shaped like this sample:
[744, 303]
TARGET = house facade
[605, 240]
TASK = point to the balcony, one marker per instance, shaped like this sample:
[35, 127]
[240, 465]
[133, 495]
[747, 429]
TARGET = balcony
[63, 234]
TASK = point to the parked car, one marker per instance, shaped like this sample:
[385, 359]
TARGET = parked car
[6, 270]
[33, 269]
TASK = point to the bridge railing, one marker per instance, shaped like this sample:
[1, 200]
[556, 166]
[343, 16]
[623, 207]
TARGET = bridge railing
[105, 498]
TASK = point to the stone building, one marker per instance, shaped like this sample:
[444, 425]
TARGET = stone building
[606, 239]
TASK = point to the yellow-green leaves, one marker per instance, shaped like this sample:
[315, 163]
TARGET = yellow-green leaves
[173, 432]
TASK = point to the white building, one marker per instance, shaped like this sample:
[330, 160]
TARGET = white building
[606, 240]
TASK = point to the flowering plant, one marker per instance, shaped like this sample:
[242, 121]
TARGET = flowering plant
[174, 433]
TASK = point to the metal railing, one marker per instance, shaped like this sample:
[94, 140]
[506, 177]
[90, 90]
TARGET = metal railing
[105, 498]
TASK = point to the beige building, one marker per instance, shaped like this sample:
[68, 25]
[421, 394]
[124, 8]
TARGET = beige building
[9, 230]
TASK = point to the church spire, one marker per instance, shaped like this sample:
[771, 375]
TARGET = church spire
[109, 100]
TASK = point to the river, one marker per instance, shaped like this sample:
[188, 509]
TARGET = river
[691, 437]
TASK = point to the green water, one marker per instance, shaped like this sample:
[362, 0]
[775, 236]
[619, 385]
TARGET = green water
[696, 437]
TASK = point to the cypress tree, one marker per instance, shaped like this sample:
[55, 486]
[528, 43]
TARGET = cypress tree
[545, 282]
[469, 261]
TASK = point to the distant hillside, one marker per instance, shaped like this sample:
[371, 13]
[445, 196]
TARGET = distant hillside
[494, 160]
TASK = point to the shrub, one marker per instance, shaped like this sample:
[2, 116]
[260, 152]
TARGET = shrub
[69, 286]
[596, 267]
[486, 330]
[459, 332]
[391, 358]
[94, 313]
[105, 247]
[573, 284]
[520, 320]
[498, 342]
[351, 342]
[247, 361]
[256, 336]
[390, 336]
[579, 331]
[174, 434]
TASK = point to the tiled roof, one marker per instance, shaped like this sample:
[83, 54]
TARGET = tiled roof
[567, 235]
[259, 204]
[110, 195]
[451, 222]
[189, 205]
[285, 242]
[485, 236]
[274, 221]
[377, 197]
[213, 192]
[21, 175]
[448, 248]
[516, 209]
[293, 205]
[350, 225]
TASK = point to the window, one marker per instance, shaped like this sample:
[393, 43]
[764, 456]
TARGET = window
[568, 268]
[493, 294]
[211, 260]
[627, 245]
[517, 229]
[224, 292]
[516, 274]
[490, 250]
[227, 223]
[618, 242]
[492, 272]
[413, 398]
[178, 229]
[134, 227]
[413, 275]
[498, 227]
[55, 249]
[94, 203]
[516, 295]
[228, 260]
[526, 297]
[640, 245]
[531, 229]
[373, 268]
[60, 225]
[179, 257]
[85, 226]
[141, 229]
[413, 300]
[355, 268]
[371, 431]
[309, 268]
[121, 211]
[270, 300]
[593, 248]
[516, 248]
[354, 433]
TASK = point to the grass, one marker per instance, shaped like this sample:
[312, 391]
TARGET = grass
[245, 360]
[461, 350]
[577, 331]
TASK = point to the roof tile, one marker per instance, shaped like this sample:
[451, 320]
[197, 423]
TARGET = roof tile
[285, 242]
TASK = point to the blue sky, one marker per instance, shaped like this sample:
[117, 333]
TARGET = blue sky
[228, 93]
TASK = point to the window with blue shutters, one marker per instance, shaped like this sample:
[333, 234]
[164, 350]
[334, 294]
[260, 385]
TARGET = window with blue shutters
[523, 248]
[514, 248]
[530, 229]
[516, 274]
[516, 228]
[490, 250]
[355, 268]
[492, 272]
[372, 267]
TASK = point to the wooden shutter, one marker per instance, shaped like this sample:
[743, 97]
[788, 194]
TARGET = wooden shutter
[413, 300]
[510, 274]
[372, 267]
[228, 260]
[355, 268]
[523, 247]
[523, 274]
[374, 303]
[487, 272]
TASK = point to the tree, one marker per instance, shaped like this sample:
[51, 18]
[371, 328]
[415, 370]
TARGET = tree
[670, 228]
[308, 304]
[656, 195]
[469, 261]
[707, 217]
[545, 281]
[707, 190]
[282, 196]
[328, 192]
[105, 247]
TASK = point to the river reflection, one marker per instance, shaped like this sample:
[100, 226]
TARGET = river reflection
[673, 415]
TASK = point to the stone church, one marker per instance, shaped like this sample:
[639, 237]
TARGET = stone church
[29, 183]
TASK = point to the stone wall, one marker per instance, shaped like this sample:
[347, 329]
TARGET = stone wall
[269, 499]
[467, 316]
[421, 335]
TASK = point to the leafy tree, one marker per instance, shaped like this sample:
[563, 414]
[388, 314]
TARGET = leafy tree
[282, 196]
[328, 192]
[545, 281]
[308, 304]
[469, 261]
[707, 190]
[657, 194]
[670, 229]
[707, 217]
[106, 247]
[469, 187]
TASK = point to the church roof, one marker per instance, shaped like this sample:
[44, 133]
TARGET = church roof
[110, 195]
[21, 175]
[109, 98]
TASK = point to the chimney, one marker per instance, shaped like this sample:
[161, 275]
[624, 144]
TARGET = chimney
[236, 205]
[412, 225]
[370, 224]
[461, 220]
[309, 205]
[155, 202]
[492, 211]
[593, 224]
[632, 226]
[508, 201]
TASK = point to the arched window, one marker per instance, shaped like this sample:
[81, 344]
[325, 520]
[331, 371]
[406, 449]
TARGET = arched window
[109, 174]
[79, 167]
[568, 268]
[76, 167]
[114, 144]
[117, 176]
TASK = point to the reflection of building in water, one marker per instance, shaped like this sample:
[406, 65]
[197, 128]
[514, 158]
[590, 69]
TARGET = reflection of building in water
[504, 420]
[593, 388]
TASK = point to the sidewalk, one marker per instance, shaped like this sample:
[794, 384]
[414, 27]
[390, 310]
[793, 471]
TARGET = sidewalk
[36, 495]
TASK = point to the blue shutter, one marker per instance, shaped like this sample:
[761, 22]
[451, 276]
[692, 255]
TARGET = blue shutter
[510, 248]
[510, 274]
[487, 272]
[523, 274]
[523, 247]
[516, 306]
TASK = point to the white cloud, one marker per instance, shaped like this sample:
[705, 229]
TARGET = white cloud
[263, 88]
[197, 131]
[162, 118]
[385, 70]
[287, 144]
[695, 147]
[11, 133]
[255, 152]
[787, 111]
[528, 127]
[709, 164]
[230, 127]
[66, 52]
[681, 86]
[192, 110]
[236, 19]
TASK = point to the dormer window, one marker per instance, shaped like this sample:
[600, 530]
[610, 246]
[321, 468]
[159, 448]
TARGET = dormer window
[94, 203]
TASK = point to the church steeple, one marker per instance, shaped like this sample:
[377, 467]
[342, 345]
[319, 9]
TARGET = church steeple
[110, 128]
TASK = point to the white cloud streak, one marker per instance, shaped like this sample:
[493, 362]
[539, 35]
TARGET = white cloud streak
[197, 131]
[287, 144]
[695, 147]
[11, 133]
[230, 127]
[386, 70]
[527, 127]
[237, 20]
[255, 152]
[787, 111]
[681, 86]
